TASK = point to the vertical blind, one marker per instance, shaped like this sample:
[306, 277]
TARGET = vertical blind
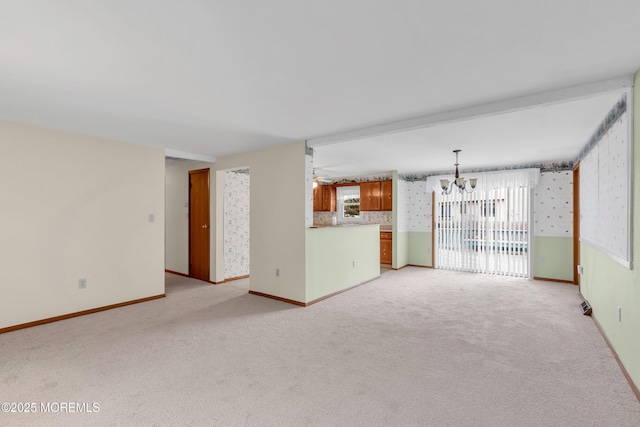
[487, 231]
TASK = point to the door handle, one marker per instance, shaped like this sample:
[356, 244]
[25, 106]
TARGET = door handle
[205, 226]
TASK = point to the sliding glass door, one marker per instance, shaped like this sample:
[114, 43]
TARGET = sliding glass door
[486, 231]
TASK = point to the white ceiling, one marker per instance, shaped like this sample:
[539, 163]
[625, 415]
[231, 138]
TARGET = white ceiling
[219, 77]
[527, 137]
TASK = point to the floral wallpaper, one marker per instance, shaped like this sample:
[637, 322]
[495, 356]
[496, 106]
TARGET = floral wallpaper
[614, 184]
[553, 205]
[417, 206]
[605, 211]
[589, 199]
[236, 223]
[369, 178]
[611, 120]
[402, 213]
[308, 176]
[543, 166]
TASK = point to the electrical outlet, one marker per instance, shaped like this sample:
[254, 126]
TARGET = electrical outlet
[277, 272]
[354, 263]
[82, 283]
[152, 217]
[619, 314]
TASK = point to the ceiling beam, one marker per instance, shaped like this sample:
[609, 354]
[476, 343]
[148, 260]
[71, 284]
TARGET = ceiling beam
[477, 111]
[188, 156]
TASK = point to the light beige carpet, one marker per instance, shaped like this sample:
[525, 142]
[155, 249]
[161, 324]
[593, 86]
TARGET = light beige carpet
[417, 347]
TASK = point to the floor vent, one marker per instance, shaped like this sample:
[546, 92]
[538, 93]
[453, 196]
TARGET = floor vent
[586, 308]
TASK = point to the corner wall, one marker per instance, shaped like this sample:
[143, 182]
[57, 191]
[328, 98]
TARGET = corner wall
[608, 285]
[73, 207]
[279, 204]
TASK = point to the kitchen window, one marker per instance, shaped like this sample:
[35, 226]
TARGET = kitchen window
[349, 203]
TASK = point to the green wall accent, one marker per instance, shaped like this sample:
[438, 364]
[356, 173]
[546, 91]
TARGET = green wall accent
[420, 248]
[553, 258]
[330, 254]
[401, 258]
[608, 285]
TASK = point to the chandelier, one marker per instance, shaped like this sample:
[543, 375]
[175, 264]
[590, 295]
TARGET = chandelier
[459, 182]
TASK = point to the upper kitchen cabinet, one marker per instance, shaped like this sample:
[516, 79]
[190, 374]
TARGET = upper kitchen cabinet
[329, 198]
[317, 199]
[387, 196]
[324, 198]
[376, 196]
[370, 196]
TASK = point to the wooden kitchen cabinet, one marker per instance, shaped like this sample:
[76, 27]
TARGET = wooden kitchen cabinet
[324, 198]
[329, 198]
[386, 203]
[317, 199]
[370, 196]
[386, 247]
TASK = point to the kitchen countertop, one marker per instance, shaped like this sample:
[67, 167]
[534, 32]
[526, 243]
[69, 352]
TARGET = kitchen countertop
[383, 227]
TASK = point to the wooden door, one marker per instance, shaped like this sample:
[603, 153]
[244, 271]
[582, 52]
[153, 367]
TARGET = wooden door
[199, 224]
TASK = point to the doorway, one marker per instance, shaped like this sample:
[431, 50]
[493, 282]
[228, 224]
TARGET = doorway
[199, 230]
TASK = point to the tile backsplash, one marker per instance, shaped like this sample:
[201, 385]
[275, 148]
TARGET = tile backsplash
[369, 217]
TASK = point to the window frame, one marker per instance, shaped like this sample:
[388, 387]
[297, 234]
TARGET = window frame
[343, 192]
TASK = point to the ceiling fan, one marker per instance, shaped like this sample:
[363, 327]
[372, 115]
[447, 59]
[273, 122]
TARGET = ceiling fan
[320, 180]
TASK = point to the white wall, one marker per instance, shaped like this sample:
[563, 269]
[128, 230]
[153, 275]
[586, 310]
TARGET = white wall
[278, 217]
[76, 207]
